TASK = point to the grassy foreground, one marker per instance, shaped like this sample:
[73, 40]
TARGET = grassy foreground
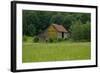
[40, 52]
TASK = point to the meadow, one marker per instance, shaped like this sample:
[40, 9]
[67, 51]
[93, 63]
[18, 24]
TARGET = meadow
[58, 51]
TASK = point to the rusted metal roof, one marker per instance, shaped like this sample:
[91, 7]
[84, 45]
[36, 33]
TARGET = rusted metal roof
[59, 28]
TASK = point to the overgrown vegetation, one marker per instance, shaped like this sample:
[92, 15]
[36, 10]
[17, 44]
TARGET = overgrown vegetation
[35, 39]
[78, 24]
[81, 32]
[24, 38]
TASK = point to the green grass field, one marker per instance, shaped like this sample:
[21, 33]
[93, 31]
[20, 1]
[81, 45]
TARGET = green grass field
[60, 51]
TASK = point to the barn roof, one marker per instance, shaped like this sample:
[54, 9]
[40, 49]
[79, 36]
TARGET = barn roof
[59, 28]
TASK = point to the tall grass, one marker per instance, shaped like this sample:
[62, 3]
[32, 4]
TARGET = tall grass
[39, 52]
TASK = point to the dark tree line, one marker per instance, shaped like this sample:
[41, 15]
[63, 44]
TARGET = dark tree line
[35, 22]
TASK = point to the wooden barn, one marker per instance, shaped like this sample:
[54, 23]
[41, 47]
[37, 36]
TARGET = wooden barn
[54, 31]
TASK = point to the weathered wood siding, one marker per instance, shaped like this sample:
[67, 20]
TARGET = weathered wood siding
[52, 33]
[59, 35]
[65, 35]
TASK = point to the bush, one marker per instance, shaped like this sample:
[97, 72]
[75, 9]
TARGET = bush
[24, 38]
[66, 38]
[50, 40]
[36, 39]
[59, 39]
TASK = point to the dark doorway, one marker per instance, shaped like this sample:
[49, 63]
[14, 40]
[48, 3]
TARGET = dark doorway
[62, 34]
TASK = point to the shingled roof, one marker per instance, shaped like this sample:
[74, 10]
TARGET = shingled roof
[59, 28]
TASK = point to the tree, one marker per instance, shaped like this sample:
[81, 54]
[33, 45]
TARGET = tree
[35, 22]
[67, 21]
[57, 19]
[30, 20]
[85, 18]
[80, 32]
[87, 31]
[76, 31]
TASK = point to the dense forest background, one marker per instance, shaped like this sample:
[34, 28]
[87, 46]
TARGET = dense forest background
[78, 24]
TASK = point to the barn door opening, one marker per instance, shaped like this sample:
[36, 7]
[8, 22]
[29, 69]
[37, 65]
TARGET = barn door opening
[62, 34]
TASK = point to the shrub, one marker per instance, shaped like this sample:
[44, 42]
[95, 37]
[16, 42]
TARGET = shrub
[24, 38]
[66, 38]
[55, 40]
[59, 39]
[36, 39]
[50, 40]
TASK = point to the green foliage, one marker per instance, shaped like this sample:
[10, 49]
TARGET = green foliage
[80, 32]
[87, 31]
[58, 19]
[35, 39]
[35, 22]
[85, 18]
[67, 21]
[51, 40]
[24, 38]
[59, 39]
[66, 38]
